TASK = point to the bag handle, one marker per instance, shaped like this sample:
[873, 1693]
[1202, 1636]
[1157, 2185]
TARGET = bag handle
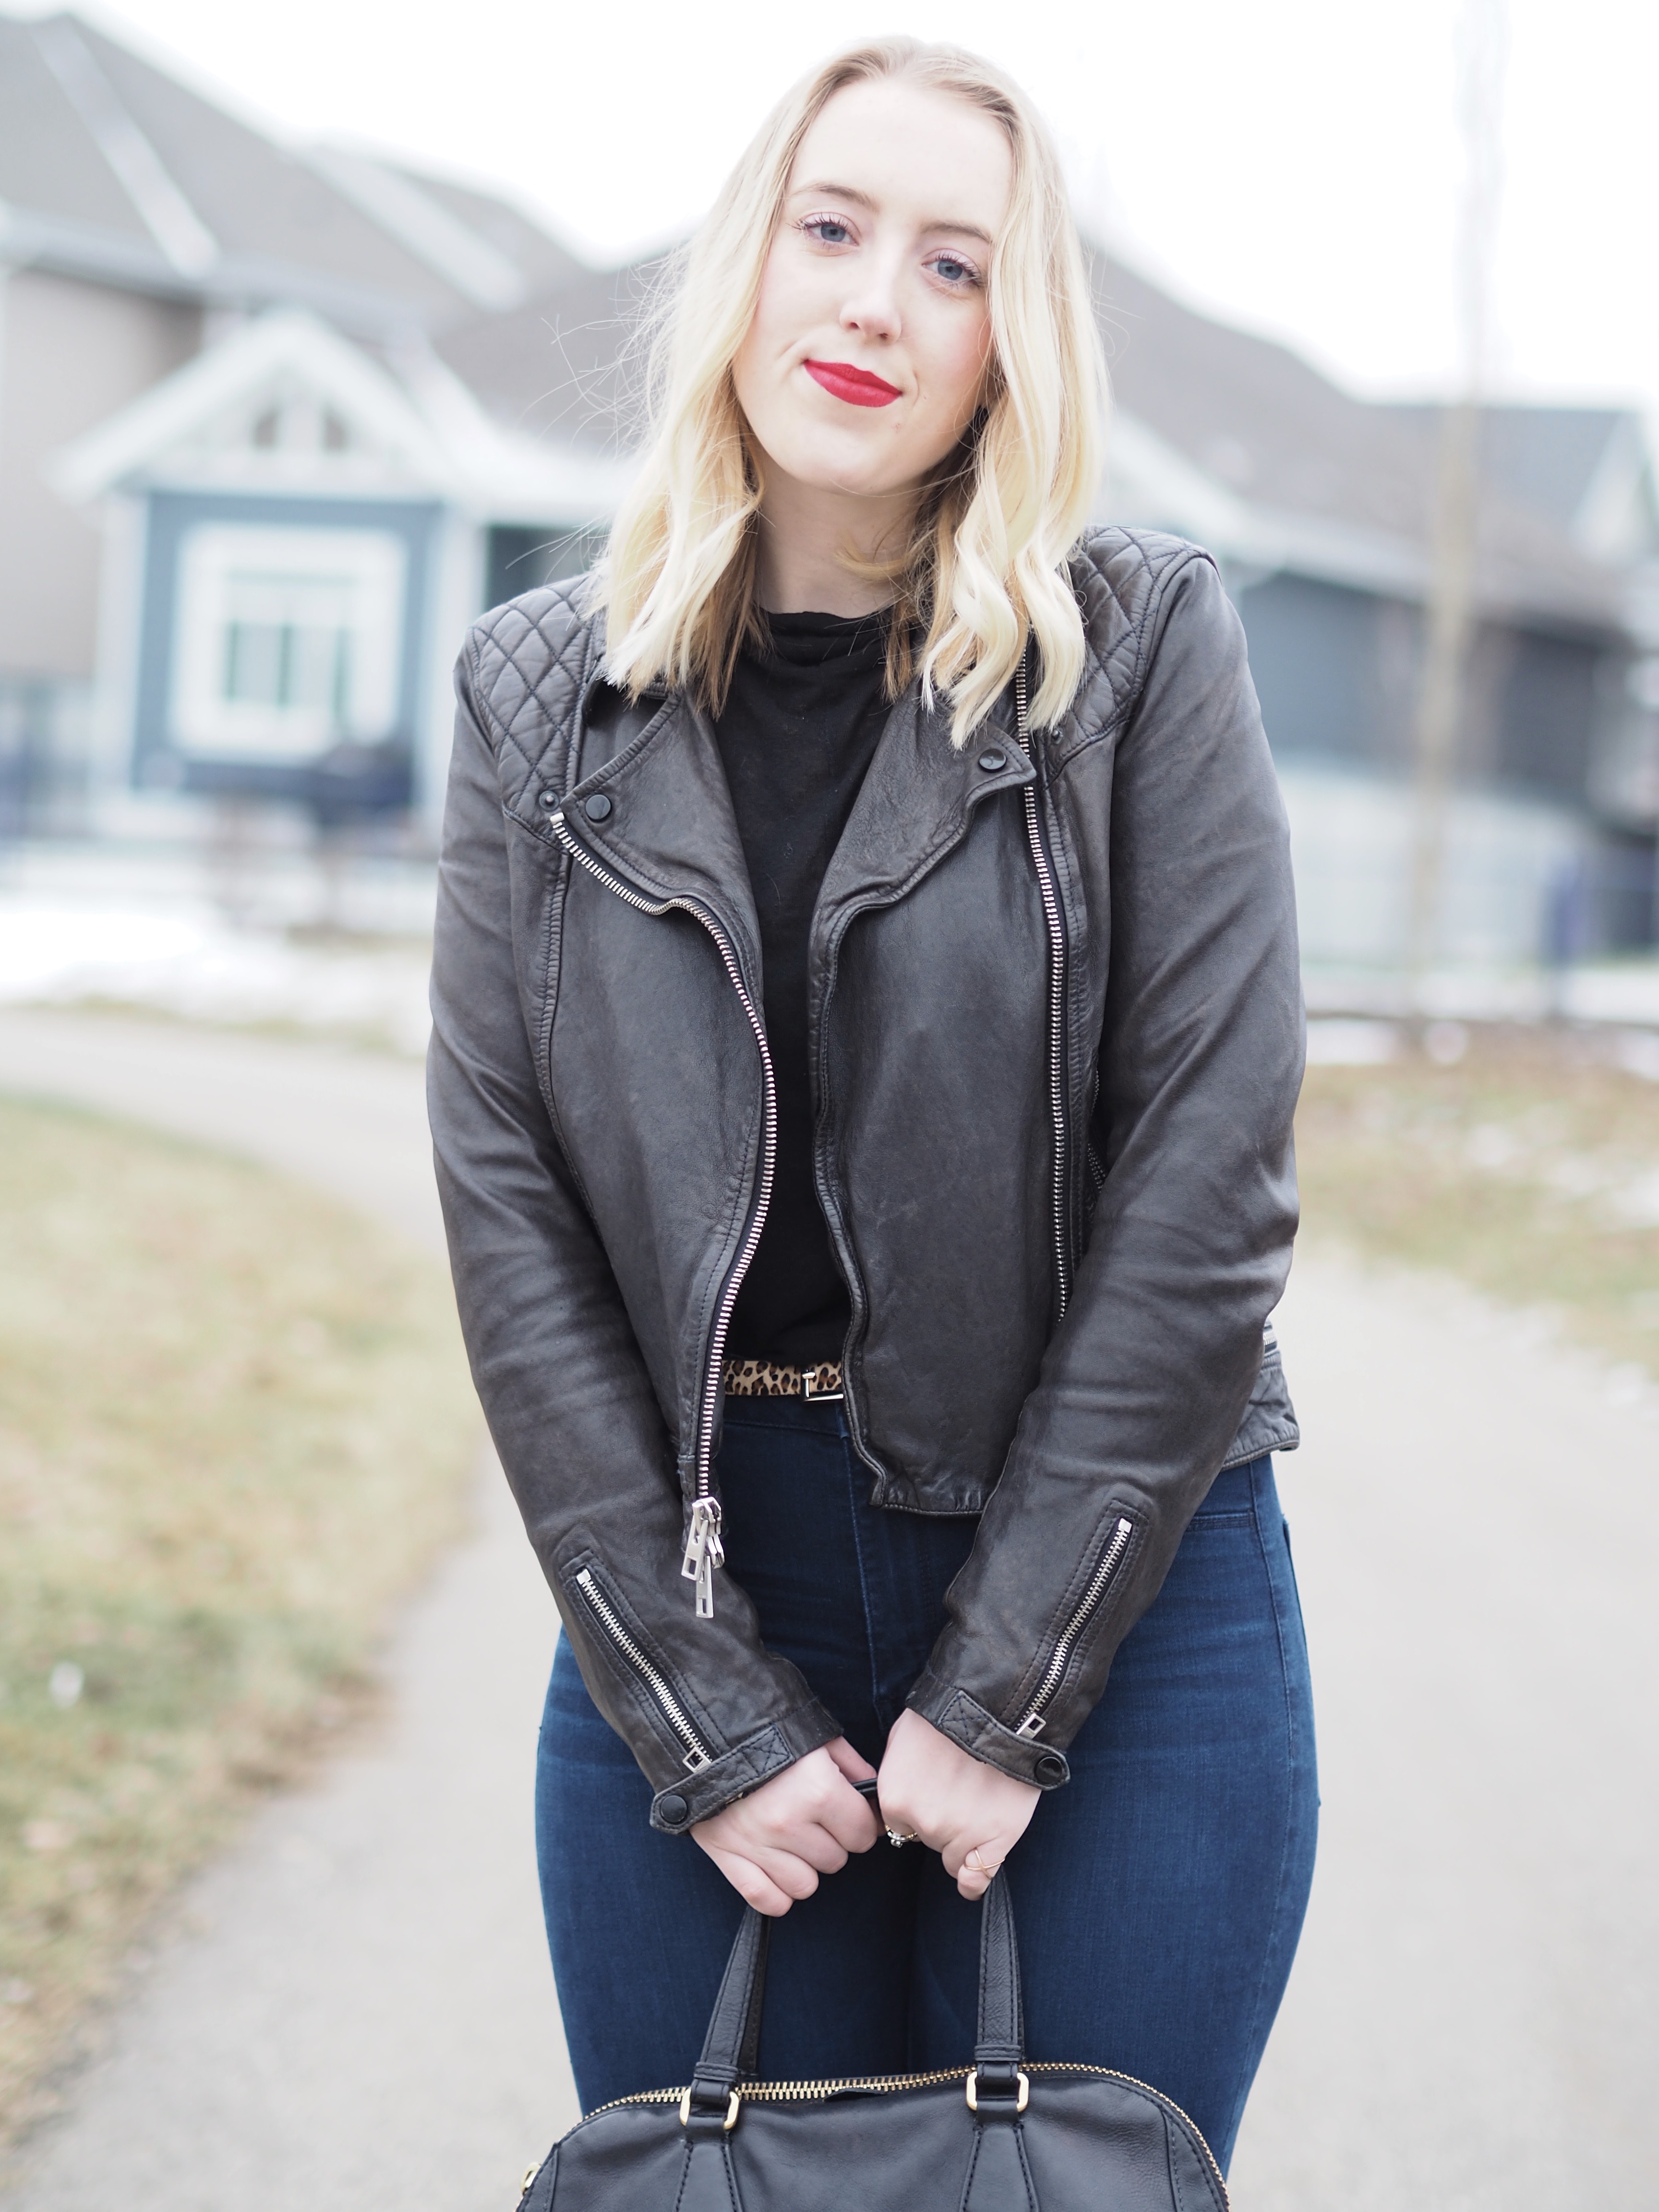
[731, 2050]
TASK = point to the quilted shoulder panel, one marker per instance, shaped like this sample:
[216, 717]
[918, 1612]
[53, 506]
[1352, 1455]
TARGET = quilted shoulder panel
[529, 662]
[1120, 577]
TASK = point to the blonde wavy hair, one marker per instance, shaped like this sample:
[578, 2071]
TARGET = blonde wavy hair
[985, 563]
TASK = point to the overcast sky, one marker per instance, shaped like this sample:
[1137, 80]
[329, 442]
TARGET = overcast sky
[1290, 164]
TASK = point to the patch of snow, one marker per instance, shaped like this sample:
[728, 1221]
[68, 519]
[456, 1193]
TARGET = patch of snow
[1637, 1051]
[1636, 1205]
[188, 961]
[1352, 1043]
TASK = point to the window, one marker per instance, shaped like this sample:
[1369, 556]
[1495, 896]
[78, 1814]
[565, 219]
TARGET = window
[290, 641]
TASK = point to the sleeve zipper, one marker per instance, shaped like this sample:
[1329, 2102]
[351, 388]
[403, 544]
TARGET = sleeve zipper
[1110, 1560]
[704, 1551]
[697, 1753]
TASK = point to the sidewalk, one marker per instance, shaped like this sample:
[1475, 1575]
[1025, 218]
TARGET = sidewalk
[353, 2010]
[1472, 2023]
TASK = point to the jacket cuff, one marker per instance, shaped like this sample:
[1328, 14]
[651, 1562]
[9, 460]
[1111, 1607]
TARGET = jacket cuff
[702, 1791]
[1269, 1423]
[966, 1721]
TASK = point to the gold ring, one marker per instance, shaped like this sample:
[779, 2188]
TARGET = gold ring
[977, 1865]
[899, 1837]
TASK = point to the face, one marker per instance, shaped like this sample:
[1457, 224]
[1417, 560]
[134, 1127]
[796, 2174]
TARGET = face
[866, 355]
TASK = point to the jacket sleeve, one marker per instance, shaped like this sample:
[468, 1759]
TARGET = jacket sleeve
[1145, 1379]
[707, 1711]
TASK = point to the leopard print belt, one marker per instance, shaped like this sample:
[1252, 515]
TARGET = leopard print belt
[766, 1378]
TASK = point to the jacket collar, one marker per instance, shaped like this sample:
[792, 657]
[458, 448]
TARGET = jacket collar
[671, 831]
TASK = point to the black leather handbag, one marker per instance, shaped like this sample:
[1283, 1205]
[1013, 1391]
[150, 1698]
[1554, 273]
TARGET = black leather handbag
[1000, 2135]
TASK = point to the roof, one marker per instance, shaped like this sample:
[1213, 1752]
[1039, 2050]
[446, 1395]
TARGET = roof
[285, 403]
[562, 363]
[1585, 471]
[110, 169]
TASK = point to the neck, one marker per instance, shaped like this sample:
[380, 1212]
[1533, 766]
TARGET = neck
[805, 534]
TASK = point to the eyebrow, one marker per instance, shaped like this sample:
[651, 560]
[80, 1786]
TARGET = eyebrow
[833, 191]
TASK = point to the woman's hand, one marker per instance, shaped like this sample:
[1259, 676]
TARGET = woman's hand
[772, 1845]
[972, 1814]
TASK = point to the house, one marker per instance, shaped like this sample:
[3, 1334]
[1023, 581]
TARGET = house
[245, 508]
[1321, 508]
[274, 422]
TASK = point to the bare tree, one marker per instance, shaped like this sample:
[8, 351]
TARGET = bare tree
[1482, 41]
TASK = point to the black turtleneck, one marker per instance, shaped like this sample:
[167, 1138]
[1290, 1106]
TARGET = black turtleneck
[797, 734]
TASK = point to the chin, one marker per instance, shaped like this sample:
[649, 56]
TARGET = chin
[840, 464]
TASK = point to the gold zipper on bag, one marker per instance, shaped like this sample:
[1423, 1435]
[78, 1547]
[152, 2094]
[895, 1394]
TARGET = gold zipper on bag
[794, 2092]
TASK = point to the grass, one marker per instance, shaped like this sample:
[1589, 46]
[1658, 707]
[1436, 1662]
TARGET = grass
[1530, 1168]
[234, 1419]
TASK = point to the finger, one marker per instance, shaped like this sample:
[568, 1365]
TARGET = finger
[833, 1811]
[907, 1821]
[814, 1846]
[977, 1859]
[901, 1810]
[791, 1872]
[852, 1764]
[753, 1884]
[803, 1830]
[975, 1879]
[853, 1821]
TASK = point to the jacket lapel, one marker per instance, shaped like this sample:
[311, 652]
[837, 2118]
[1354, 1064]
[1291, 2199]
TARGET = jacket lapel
[669, 830]
[916, 805]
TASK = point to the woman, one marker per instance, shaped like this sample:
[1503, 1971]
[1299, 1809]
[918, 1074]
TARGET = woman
[868, 1026]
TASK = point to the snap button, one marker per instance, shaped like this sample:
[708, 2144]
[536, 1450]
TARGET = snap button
[993, 758]
[672, 1808]
[1050, 1769]
[596, 807]
[547, 799]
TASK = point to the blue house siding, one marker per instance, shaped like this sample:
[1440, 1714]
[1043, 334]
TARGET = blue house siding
[1548, 709]
[1317, 658]
[358, 779]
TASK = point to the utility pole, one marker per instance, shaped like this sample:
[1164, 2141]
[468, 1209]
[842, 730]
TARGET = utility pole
[1481, 48]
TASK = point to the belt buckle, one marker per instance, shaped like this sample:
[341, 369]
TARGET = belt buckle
[819, 1397]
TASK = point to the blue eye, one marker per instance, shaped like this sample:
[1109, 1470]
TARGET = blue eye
[953, 271]
[827, 230]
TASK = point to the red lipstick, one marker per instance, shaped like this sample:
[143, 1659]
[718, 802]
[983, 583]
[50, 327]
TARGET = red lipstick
[855, 386]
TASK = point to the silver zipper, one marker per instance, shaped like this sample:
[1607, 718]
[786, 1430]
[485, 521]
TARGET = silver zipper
[1110, 1559]
[704, 1551]
[1056, 1000]
[697, 1752]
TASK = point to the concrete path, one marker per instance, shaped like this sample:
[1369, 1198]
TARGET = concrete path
[357, 2014]
[1473, 2020]
[353, 2011]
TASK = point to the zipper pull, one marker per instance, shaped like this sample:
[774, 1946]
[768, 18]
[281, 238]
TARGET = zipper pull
[704, 1551]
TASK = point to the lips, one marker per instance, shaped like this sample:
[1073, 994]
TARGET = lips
[857, 386]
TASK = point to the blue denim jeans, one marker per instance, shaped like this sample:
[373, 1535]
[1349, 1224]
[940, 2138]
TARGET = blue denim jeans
[1158, 1895]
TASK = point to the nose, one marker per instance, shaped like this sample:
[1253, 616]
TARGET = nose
[873, 309]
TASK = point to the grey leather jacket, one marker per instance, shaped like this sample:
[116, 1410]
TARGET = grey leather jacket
[1056, 1022]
